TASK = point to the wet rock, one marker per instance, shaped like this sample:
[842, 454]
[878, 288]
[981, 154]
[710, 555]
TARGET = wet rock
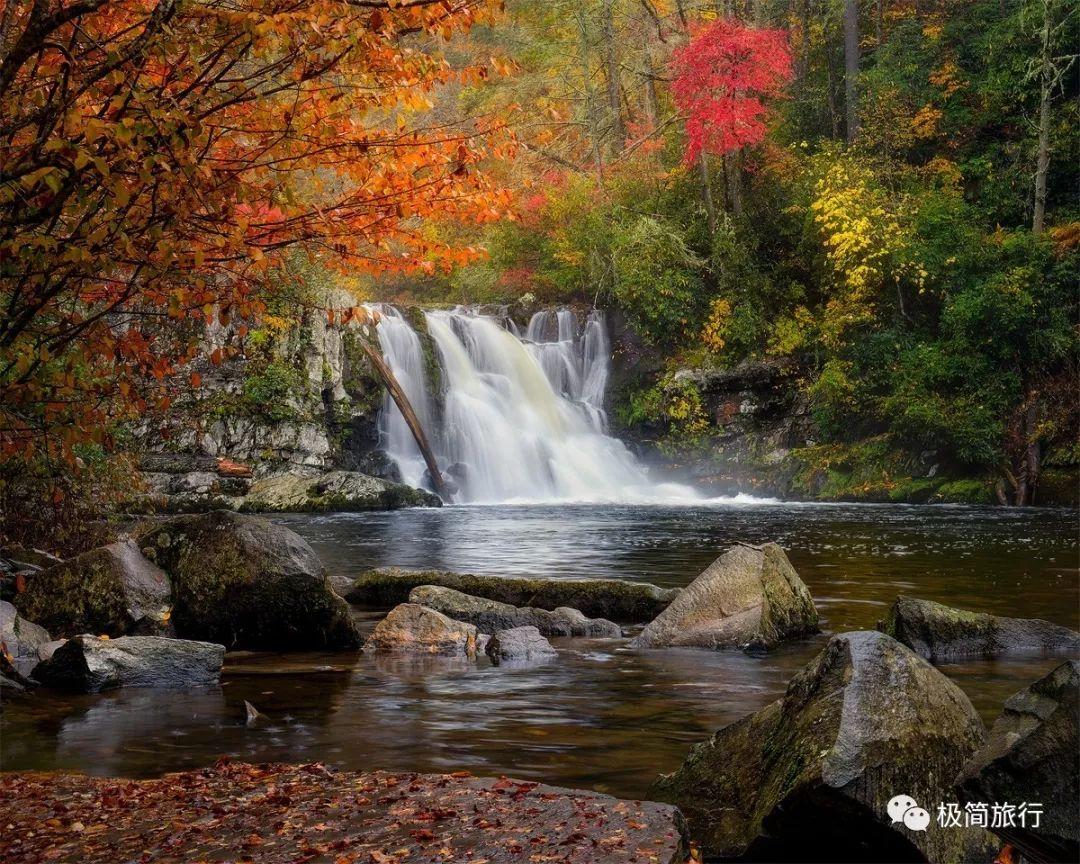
[810, 776]
[1031, 757]
[88, 664]
[14, 576]
[344, 491]
[614, 599]
[411, 628]
[749, 597]
[248, 583]
[21, 639]
[113, 590]
[490, 616]
[938, 632]
[377, 463]
[519, 644]
[47, 649]
[420, 817]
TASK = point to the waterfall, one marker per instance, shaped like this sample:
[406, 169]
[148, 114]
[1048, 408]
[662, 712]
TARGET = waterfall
[519, 418]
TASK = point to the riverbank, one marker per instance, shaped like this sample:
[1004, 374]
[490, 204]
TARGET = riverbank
[291, 813]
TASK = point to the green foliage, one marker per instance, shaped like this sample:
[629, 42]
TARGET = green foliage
[675, 408]
[657, 280]
[271, 392]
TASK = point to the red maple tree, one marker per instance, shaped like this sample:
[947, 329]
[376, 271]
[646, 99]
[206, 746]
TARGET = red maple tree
[722, 79]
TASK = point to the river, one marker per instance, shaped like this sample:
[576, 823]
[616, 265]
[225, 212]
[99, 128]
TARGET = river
[600, 716]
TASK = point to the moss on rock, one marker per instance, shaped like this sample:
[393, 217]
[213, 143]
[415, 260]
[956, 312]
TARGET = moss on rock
[613, 599]
[112, 590]
[247, 583]
[810, 776]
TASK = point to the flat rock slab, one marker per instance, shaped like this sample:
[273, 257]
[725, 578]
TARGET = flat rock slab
[289, 813]
[615, 599]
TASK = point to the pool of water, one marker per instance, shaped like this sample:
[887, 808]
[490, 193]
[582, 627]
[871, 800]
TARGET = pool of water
[600, 716]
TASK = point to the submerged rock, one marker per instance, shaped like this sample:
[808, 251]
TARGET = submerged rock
[519, 644]
[113, 590]
[1031, 757]
[344, 491]
[248, 583]
[749, 597]
[614, 599]
[490, 616]
[21, 639]
[411, 628]
[938, 632]
[88, 664]
[421, 817]
[810, 776]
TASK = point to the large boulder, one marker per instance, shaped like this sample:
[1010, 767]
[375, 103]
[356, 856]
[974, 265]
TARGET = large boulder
[89, 664]
[750, 597]
[940, 633]
[21, 639]
[333, 491]
[248, 583]
[489, 615]
[519, 645]
[810, 776]
[113, 590]
[615, 599]
[414, 629]
[1031, 757]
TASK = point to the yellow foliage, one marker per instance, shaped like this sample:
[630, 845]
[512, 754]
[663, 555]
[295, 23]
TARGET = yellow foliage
[947, 77]
[924, 124]
[866, 244]
[714, 334]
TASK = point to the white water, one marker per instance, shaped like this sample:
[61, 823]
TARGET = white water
[521, 417]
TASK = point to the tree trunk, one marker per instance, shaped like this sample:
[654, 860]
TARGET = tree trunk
[1042, 165]
[802, 60]
[851, 67]
[1027, 477]
[706, 194]
[405, 407]
[590, 106]
[611, 63]
[733, 172]
[830, 90]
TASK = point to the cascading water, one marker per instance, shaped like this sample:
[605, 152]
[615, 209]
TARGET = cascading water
[518, 418]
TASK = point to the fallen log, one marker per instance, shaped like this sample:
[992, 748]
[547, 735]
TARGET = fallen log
[383, 370]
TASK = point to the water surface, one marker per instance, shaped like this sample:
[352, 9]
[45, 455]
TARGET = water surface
[600, 716]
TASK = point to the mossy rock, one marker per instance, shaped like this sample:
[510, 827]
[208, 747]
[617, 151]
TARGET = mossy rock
[1030, 755]
[335, 491]
[939, 633]
[614, 599]
[112, 590]
[810, 776]
[247, 583]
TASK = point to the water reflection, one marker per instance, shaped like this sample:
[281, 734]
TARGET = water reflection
[600, 716]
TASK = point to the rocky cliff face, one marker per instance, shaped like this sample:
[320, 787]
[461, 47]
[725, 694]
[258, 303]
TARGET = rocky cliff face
[302, 401]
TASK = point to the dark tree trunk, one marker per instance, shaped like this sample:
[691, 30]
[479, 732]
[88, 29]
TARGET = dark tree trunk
[1046, 86]
[384, 371]
[611, 66]
[851, 67]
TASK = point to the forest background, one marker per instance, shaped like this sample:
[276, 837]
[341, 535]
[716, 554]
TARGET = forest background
[882, 194]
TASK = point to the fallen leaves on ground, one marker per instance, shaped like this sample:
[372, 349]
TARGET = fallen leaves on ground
[308, 813]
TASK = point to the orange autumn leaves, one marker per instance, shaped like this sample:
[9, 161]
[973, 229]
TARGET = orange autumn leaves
[159, 157]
